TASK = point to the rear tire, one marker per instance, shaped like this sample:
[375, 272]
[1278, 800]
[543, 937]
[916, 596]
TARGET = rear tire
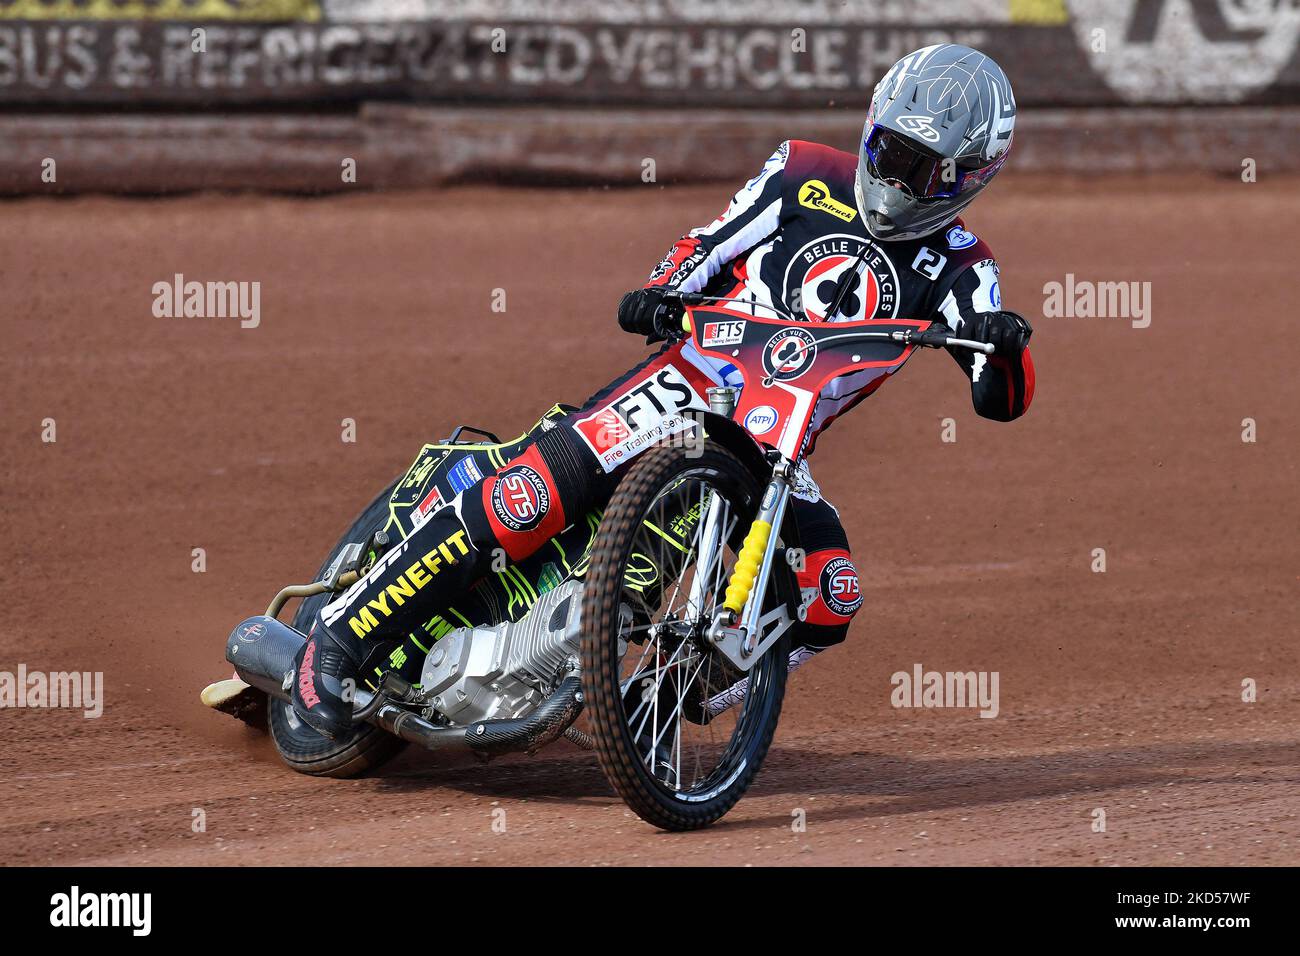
[365, 747]
[306, 751]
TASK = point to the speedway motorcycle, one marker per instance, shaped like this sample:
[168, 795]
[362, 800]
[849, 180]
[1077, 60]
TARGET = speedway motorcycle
[665, 617]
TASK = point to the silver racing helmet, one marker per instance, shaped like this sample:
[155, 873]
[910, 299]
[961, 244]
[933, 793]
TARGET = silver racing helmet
[938, 131]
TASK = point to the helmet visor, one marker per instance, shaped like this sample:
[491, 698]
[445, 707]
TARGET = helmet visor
[900, 162]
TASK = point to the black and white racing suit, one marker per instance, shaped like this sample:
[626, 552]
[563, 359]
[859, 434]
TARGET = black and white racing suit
[786, 238]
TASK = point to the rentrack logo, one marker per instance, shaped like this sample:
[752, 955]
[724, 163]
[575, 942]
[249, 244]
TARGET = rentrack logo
[815, 194]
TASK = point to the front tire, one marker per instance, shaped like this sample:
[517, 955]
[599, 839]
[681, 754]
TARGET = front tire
[676, 765]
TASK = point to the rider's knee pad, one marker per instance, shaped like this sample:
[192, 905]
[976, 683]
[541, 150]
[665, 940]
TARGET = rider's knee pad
[536, 495]
[829, 584]
[828, 581]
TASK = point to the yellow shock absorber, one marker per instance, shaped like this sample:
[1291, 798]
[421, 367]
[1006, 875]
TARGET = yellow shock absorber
[742, 575]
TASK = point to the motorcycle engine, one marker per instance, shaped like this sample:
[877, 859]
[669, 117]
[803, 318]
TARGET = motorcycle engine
[503, 671]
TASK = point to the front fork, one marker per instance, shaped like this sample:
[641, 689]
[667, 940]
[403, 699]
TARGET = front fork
[738, 625]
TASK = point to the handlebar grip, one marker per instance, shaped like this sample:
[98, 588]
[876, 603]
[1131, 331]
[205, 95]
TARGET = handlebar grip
[937, 339]
[665, 330]
[685, 298]
[934, 338]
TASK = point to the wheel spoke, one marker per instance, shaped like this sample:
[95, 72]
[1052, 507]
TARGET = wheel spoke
[662, 678]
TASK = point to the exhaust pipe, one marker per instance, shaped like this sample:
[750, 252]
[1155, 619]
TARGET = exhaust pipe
[412, 727]
[529, 734]
[490, 738]
[262, 650]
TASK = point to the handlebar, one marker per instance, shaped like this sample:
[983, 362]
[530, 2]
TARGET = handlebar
[934, 338]
[938, 339]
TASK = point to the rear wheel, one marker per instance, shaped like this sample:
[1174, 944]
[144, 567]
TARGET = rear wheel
[655, 686]
[365, 746]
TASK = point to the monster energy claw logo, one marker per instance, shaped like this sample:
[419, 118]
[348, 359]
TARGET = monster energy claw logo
[640, 572]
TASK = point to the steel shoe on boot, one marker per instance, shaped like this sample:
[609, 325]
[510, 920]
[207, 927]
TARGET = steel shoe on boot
[325, 681]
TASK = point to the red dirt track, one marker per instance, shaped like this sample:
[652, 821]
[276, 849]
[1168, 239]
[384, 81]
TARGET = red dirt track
[1119, 691]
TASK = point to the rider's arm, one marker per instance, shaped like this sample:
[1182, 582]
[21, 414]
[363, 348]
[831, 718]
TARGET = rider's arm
[753, 214]
[1002, 385]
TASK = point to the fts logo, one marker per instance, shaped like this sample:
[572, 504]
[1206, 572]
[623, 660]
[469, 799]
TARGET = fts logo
[647, 412]
[723, 333]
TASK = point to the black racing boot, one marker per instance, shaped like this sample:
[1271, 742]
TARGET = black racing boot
[325, 681]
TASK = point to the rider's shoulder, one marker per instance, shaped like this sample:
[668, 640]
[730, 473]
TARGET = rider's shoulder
[807, 158]
[960, 247]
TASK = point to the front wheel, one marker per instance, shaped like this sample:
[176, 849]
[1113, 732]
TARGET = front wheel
[656, 690]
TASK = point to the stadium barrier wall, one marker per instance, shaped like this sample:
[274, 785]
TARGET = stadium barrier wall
[147, 95]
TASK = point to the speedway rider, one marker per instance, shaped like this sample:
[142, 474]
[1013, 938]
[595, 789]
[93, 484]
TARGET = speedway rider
[821, 236]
